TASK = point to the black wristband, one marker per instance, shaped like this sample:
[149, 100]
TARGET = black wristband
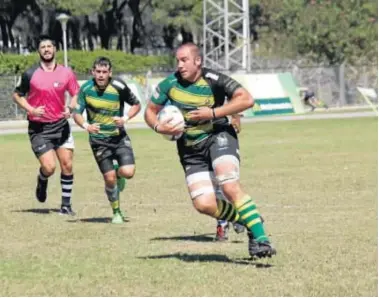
[213, 113]
[70, 109]
[156, 127]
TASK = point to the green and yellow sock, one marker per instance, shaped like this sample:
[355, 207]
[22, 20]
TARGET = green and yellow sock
[115, 206]
[121, 181]
[226, 211]
[113, 197]
[250, 217]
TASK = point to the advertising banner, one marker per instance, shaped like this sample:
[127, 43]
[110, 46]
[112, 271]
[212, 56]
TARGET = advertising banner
[269, 94]
[273, 106]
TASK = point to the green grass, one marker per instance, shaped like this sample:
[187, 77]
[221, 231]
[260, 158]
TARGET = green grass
[315, 182]
[340, 110]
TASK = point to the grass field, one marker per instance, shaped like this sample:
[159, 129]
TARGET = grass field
[315, 182]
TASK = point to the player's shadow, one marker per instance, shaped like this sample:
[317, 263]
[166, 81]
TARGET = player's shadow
[37, 210]
[192, 258]
[195, 238]
[94, 220]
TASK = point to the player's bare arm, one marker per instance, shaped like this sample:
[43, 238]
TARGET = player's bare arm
[133, 111]
[73, 103]
[236, 122]
[163, 127]
[240, 101]
[70, 108]
[91, 128]
[23, 103]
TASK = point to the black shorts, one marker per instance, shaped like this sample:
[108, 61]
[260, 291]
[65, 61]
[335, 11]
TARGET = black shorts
[113, 148]
[199, 157]
[48, 136]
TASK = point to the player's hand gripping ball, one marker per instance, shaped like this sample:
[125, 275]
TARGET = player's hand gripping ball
[177, 120]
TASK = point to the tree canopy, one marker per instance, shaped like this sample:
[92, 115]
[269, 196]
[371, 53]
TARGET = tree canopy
[75, 7]
[322, 31]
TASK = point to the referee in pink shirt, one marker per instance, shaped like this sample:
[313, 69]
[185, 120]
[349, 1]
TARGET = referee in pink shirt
[41, 93]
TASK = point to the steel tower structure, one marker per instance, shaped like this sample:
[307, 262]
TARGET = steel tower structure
[226, 34]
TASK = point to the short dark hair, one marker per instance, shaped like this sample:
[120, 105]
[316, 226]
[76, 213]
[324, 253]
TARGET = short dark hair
[44, 38]
[194, 48]
[102, 61]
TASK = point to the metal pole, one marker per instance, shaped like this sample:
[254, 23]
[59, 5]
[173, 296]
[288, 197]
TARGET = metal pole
[65, 45]
[226, 33]
[246, 35]
[204, 33]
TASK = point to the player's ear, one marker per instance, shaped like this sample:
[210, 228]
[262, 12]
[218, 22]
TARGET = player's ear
[198, 61]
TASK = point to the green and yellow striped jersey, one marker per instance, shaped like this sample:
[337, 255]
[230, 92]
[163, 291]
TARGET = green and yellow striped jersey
[210, 90]
[102, 105]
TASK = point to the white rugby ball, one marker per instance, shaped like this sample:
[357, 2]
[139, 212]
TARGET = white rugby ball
[173, 112]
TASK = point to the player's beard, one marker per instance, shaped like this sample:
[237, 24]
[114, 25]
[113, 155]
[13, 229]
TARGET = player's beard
[47, 60]
[103, 85]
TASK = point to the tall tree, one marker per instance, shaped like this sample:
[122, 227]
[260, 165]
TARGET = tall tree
[9, 11]
[75, 7]
[323, 31]
[179, 16]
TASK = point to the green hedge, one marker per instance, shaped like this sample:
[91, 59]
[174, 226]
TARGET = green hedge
[82, 61]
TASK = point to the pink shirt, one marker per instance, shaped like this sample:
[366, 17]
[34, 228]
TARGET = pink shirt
[48, 89]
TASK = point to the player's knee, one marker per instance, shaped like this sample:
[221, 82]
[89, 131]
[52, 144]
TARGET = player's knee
[127, 171]
[66, 166]
[226, 169]
[48, 169]
[110, 179]
[205, 204]
[231, 190]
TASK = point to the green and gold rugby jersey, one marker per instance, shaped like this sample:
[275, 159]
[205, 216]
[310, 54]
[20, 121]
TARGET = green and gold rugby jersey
[102, 105]
[210, 90]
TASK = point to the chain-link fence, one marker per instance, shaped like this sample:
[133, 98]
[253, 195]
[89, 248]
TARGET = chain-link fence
[336, 86]
[8, 109]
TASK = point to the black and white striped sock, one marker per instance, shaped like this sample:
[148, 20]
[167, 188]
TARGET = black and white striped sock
[42, 176]
[66, 182]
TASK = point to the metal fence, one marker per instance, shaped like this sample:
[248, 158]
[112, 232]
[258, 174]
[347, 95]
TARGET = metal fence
[8, 109]
[336, 86]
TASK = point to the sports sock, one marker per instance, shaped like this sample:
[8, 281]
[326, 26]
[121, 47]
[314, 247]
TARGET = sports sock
[42, 176]
[222, 222]
[116, 167]
[226, 211]
[113, 197]
[250, 217]
[42, 179]
[66, 182]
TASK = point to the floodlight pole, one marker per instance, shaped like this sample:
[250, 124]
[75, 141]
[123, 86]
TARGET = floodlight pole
[63, 19]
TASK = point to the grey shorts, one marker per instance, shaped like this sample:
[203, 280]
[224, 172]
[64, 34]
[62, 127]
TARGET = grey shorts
[109, 149]
[199, 157]
[49, 136]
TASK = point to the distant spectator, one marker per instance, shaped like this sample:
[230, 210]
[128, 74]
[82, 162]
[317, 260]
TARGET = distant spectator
[311, 100]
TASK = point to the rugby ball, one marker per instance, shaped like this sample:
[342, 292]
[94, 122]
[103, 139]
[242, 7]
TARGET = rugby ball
[173, 112]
